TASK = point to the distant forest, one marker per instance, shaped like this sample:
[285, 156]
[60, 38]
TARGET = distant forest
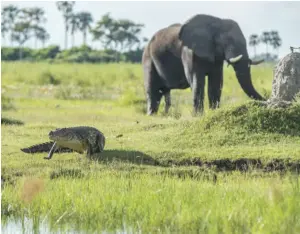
[120, 38]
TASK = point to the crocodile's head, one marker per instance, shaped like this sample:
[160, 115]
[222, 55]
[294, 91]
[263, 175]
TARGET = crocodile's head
[62, 134]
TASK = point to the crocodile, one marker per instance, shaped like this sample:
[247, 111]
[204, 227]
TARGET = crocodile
[78, 139]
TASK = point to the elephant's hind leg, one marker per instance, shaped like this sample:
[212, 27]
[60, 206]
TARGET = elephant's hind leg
[167, 95]
[152, 86]
[215, 85]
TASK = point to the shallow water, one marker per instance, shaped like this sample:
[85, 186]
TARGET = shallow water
[16, 226]
[27, 227]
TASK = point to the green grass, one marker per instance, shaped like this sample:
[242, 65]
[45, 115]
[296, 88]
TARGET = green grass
[117, 197]
[169, 174]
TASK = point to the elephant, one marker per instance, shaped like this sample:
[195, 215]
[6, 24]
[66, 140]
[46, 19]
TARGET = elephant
[181, 56]
[163, 68]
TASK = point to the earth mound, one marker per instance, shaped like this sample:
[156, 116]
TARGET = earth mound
[254, 116]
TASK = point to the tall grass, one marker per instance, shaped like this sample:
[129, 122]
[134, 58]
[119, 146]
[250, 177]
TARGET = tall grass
[157, 174]
[114, 200]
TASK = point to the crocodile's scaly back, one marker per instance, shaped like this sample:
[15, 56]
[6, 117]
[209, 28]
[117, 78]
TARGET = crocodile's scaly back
[79, 139]
[44, 147]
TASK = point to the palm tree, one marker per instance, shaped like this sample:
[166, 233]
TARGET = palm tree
[41, 34]
[74, 22]
[4, 30]
[85, 20]
[275, 40]
[266, 38]
[66, 8]
[21, 33]
[254, 41]
[38, 18]
[35, 16]
[10, 14]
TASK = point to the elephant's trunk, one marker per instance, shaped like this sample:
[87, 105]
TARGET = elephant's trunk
[242, 71]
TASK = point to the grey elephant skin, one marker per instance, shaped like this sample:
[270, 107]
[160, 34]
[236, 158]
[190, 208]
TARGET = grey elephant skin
[181, 56]
[163, 68]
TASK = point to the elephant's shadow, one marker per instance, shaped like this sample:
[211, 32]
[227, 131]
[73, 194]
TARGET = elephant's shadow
[131, 156]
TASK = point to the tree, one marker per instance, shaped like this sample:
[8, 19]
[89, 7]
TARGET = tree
[10, 14]
[41, 34]
[35, 16]
[119, 35]
[21, 33]
[85, 20]
[254, 41]
[66, 8]
[145, 40]
[266, 39]
[4, 29]
[103, 31]
[74, 22]
[275, 40]
[128, 34]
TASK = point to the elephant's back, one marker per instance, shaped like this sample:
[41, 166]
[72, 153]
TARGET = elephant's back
[164, 49]
[165, 40]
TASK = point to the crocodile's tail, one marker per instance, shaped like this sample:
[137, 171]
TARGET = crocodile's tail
[44, 147]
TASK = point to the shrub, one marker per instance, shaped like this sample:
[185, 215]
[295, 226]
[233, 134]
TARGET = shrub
[48, 78]
[8, 121]
[82, 54]
[12, 54]
[134, 56]
[49, 52]
[6, 103]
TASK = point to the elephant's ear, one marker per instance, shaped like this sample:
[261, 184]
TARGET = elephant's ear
[198, 34]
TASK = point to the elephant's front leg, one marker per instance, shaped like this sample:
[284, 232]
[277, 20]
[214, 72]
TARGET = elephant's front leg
[215, 85]
[194, 70]
[198, 84]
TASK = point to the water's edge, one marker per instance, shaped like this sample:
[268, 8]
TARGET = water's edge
[12, 226]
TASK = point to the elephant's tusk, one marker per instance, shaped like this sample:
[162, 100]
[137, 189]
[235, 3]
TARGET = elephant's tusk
[256, 62]
[234, 60]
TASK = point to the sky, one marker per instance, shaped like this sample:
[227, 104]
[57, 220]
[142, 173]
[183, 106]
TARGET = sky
[253, 17]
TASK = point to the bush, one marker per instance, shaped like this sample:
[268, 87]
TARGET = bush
[82, 54]
[48, 78]
[46, 53]
[134, 56]
[8, 121]
[85, 54]
[12, 54]
[100, 57]
[6, 103]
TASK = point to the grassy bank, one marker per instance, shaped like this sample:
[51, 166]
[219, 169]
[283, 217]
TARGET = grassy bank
[124, 198]
[229, 171]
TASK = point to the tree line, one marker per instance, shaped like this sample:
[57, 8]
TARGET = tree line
[270, 38]
[121, 38]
